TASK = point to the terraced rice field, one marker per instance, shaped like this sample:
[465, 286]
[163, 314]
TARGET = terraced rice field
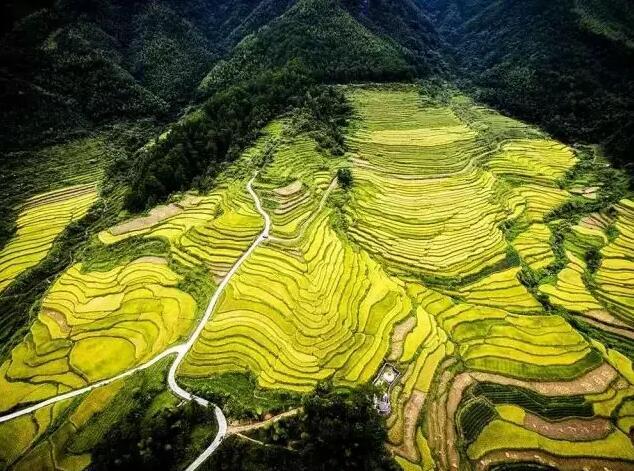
[615, 278]
[425, 246]
[431, 194]
[325, 310]
[41, 219]
[210, 231]
[98, 320]
[95, 325]
[443, 258]
[52, 452]
[62, 436]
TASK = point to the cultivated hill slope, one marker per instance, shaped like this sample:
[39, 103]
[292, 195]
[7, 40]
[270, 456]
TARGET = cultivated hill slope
[488, 263]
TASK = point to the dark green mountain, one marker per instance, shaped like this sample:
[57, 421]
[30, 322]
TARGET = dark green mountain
[81, 64]
[88, 62]
[84, 63]
[567, 65]
[338, 41]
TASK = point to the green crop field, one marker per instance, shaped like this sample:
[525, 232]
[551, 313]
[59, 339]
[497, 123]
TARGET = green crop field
[448, 256]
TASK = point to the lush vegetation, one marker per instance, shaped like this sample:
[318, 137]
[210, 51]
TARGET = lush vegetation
[76, 65]
[42, 219]
[572, 77]
[60, 170]
[161, 440]
[240, 396]
[333, 47]
[474, 268]
[336, 430]
[199, 146]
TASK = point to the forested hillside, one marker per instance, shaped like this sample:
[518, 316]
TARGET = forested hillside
[353, 41]
[89, 62]
[83, 63]
[277, 68]
[566, 65]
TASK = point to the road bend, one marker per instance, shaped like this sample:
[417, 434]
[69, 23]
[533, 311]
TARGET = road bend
[179, 350]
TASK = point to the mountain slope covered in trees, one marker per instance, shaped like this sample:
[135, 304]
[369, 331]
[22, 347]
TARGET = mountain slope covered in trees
[353, 41]
[85, 63]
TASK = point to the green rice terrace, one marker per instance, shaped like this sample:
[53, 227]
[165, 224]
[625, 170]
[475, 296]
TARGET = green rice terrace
[491, 266]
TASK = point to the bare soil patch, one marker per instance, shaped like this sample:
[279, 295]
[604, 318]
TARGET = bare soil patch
[593, 382]
[59, 319]
[408, 449]
[398, 337]
[576, 430]
[239, 429]
[152, 259]
[290, 189]
[596, 221]
[605, 321]
[156, 215]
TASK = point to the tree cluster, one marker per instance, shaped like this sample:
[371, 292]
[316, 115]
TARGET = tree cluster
[163, 442]
[336, 430]
[196, 148]
[80, 64]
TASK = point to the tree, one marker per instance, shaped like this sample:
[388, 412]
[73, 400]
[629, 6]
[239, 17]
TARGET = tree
[344, 177]
[593, 259]
[337, 430]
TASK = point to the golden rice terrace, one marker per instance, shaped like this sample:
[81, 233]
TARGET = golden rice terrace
[458, 255]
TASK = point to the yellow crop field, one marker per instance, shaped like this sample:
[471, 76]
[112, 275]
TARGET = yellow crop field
[211, 230]
[326, 310]
[448, 256]
[41, 220]
[94, 325]
[615, 278]
[533, 246]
